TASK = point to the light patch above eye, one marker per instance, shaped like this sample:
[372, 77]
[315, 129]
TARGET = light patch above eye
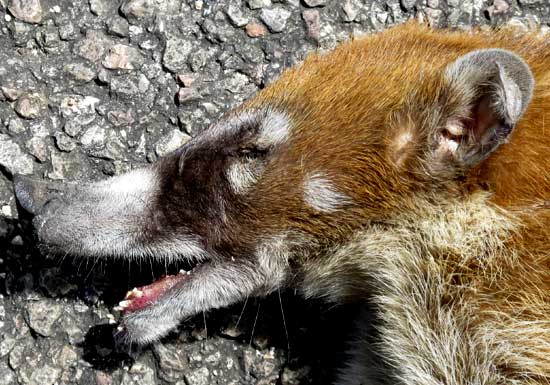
[274, 129]
[322, 195]
[270, 127]
[241, 176]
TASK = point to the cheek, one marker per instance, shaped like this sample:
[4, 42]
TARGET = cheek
[322, 195]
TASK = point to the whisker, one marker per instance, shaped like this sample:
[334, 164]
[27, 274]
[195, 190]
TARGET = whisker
[92, 269]
[152, 268]
[242, 312]
[254, 325]
[284, 324]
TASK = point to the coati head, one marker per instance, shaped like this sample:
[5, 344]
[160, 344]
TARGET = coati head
[345, 140]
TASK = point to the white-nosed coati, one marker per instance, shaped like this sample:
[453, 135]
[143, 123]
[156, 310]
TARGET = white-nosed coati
[410, 167]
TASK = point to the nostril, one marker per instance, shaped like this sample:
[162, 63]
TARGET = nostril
[51, 206]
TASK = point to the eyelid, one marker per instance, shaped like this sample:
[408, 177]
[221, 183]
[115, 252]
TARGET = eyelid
[255, 152]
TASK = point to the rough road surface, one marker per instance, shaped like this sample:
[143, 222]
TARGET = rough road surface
[92, 88]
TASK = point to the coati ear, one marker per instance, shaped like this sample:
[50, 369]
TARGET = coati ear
[488, 91]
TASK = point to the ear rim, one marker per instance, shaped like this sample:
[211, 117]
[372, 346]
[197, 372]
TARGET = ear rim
[477, 67]
[499, 81]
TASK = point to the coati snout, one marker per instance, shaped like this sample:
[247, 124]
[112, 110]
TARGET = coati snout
[387, 152]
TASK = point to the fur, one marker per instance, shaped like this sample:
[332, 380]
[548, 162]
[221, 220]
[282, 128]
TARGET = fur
[408, 168]
[321, 194]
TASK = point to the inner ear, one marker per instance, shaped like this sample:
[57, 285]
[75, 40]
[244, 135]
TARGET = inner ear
[490, 90]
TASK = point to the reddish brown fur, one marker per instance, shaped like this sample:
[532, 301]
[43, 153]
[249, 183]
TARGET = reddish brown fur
[403, 61]
[377, 87]
[403, 65]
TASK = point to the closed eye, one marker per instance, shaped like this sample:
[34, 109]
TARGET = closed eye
[252, 153]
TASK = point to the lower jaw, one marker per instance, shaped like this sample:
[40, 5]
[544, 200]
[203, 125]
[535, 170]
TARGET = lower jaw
[140, 298]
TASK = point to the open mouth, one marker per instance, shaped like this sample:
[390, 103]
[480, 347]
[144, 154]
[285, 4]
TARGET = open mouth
[139, 298]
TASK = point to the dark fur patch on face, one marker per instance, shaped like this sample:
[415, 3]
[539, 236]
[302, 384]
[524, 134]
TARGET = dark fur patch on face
[195, 196]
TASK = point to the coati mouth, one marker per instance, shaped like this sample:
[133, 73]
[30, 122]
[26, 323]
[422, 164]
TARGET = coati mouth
[140, 298]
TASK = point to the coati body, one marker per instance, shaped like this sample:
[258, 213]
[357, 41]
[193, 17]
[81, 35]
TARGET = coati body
[408, 167]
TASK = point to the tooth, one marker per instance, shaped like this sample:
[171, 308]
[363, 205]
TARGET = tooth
[118, 308]
[183, 271]
[135, 292]
[124, 304]
[188, 272]
[120, 328]
[110, 316]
